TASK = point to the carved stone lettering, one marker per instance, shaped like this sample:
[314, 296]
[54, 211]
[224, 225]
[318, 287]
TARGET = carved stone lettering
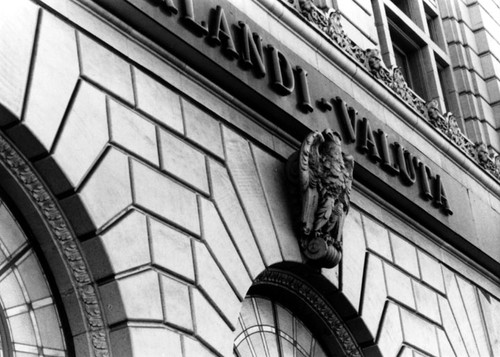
[283, 81]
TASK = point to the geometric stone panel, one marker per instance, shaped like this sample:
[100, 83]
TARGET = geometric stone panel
[471, 303]
[171, 249]
[107, 192]
[211, 279]
[391, 336]
[210, 327]
[375, 294]
[183, 161]
[193, 347]
[18, 20]
[491, 312]
[399, 286]
[220, 243]
[377, 238]
[55, 74]
[405, 255]
[134, 297]
[244, 173]
[202, 128]
[272, 175]
[444, 344]
[159, 194]
[105, 68]
[427, 303]
[451, 327]
[131, 131]
[419, 332]
[354, 255]
[234, 217]
[133, 341]
[176, 303]
[84, 133]
[130, 232]
[158, 101]
[431, 271]
[457, 306]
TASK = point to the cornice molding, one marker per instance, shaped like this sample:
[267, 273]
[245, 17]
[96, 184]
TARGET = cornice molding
[466, 157]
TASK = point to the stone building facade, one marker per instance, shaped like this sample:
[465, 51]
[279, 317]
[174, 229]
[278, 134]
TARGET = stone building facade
[146, 208]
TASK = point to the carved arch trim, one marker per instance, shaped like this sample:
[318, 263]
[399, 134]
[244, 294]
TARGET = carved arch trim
[46, 208]
[295, 292]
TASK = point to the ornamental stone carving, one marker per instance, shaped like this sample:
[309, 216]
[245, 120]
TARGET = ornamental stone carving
[67, 243]
[321, 178]
[328, 20]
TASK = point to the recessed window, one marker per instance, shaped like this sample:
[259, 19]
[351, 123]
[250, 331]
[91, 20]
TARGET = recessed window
[403, 6]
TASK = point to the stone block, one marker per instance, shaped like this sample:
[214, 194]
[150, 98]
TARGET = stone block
[377, 238]
[176, 303]
[399, 286]
[202, 128]
[374, 294]
[444, 344]
[234, 217]
[105, 68]
[390, 336]
[84, 134]
[135, 297]
[183, 161]
[491, 312]
[158, 101]
[272, 175]
[171, 249]
[244, 173]
[405, 255]
[130, 232]
[193, 347]
[159, 194]
[471, 303]
[457, 306]
[210, 278]
[419, 333]
[107, 191]
[427, 303]
[148, 341]
[132, 132]
[217, 238]
[451, 327]
[353, 259]
[17, 34]
[210, 327]
[55, 74]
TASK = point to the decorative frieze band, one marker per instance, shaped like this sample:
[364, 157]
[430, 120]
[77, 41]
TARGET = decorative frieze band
[328, 20]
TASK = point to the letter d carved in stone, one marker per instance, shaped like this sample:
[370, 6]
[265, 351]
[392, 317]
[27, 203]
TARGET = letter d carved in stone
[321, 178]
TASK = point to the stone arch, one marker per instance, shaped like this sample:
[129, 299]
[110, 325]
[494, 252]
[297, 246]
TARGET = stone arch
[71, 282]
[324, 309]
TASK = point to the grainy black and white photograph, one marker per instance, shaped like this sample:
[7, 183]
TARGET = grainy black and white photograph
[249, 178]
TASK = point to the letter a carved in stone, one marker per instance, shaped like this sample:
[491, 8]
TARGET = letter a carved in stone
[321, 176]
